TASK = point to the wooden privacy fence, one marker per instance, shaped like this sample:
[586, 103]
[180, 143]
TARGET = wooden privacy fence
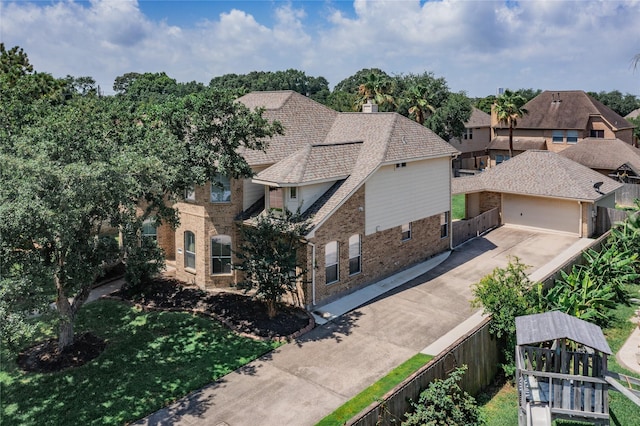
[478, 349]
[627, 195]
[464, 230]
[606, 218]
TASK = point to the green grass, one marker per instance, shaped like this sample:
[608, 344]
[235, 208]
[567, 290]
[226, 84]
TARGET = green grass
[458, 206]
[151, 359]
[502, 408]
[376, 391]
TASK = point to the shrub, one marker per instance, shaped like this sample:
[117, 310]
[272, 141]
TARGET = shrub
[505, 294]
[445, 403]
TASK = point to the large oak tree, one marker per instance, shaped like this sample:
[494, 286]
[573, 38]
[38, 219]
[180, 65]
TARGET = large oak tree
[74, 164]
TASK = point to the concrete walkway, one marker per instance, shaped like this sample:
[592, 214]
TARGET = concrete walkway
[301, 382]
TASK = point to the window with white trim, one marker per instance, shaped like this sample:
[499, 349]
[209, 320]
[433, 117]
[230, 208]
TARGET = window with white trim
[189, 250]
[149, 229]
[220, 189]
[293, 193]
[468, 134]
[355, 254]
[406, 231]
[190, 193]
[557, 136]
[444, 225]
[221, 254]
[331, 262]
[572, 136]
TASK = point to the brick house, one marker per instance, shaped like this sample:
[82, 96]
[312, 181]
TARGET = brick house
[375, 186]
[557, 120]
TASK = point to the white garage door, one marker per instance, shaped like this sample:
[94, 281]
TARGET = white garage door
[543, 213]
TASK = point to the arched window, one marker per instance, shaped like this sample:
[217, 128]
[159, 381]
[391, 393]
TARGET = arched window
[221, 254]
[189, 250]
[355, 255]
[331, 262]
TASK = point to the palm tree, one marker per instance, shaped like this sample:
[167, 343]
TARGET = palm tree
[376, 88]
[420, 104]
[509, 107]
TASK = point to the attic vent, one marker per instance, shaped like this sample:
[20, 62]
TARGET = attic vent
[399, 165]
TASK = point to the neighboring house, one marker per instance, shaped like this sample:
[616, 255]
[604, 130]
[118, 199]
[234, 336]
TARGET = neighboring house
[557, 120]
[473, 143]
[610, 157]
[541, 190]
[375, 186]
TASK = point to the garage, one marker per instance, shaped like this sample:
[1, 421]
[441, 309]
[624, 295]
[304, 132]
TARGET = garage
[541, 213]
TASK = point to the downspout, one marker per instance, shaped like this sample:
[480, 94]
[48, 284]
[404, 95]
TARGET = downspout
[313, 273]
[580, 234]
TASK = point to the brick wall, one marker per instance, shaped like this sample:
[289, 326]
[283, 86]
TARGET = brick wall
[206, 220]
[383, 253]
[490, 200]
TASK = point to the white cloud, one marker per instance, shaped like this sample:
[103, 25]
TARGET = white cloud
[475, 45]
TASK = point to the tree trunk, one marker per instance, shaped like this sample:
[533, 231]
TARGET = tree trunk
[65, 335]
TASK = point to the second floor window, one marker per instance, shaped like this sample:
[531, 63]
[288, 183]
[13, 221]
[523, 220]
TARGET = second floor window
[220, 189]
[596, 133]
[468, 134]
[572, 136]
[557, 136]
[190, 193]
[149, 229]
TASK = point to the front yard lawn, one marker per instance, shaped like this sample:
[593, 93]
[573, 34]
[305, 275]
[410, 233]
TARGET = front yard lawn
[151, 359]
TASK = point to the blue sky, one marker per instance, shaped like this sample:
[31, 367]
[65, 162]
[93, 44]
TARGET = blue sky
[477, 46]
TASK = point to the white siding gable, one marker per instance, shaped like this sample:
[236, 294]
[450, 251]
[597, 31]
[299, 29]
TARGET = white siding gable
[398, 195]
[309, 194]
[251, 192]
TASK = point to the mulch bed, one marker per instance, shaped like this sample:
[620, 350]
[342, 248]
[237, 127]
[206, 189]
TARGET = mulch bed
[46, 358]
[244, 314]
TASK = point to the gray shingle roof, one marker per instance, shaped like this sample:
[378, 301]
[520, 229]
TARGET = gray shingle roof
[568, 109]
[314, 163]
[304, 120]
[322, 144]
[554, 325]
[539, 173]
[478, 119]
[604, 154]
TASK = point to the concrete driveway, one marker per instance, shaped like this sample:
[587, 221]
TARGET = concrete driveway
[305, 380]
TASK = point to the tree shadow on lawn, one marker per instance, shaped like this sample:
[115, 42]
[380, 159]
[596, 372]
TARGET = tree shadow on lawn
[151, 359]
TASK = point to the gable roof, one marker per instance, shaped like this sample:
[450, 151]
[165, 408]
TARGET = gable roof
[478, 118]
[633, 114]
[313, 163]
[304, 120]
[539, 173]
[604, 154]
[320, 144]
[554, 325]
[567, 109]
